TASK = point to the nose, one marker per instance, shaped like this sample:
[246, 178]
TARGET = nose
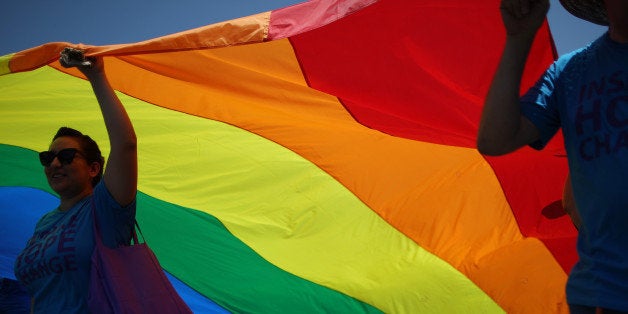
[55, 162]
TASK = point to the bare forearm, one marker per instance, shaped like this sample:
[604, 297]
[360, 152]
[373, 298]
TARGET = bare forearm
[121, 172]
[501, 114]
[119, 127]
[502, 128]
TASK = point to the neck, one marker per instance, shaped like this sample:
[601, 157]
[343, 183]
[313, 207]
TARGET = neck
[68, 202]
[617, 14]
[618, 34]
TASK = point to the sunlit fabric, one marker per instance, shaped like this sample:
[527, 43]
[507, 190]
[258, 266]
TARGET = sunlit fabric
[317, 158]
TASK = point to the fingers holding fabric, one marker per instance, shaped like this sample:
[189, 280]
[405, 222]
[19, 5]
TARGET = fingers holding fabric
[523, 17]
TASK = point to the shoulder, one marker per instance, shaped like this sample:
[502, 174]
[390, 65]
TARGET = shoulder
[570, 61]
[115, 221]
[582, 56]
[104, 196]
[569, 69]
[108, 209]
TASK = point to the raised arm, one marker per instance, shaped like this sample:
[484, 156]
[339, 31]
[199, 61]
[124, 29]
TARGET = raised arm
[502, 128]
[120, 175]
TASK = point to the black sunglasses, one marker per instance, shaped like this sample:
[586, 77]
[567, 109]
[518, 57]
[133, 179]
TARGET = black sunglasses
[65, 156]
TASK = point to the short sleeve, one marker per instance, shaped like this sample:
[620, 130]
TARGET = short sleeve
[539, 105]
[116, 222]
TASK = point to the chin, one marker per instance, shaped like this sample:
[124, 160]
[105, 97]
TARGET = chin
[59, 191]
[59, 187]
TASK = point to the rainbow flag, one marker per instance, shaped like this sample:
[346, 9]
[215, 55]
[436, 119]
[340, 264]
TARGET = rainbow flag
[318, 158]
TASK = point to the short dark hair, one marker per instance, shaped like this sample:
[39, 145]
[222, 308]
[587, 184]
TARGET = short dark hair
[89, 147]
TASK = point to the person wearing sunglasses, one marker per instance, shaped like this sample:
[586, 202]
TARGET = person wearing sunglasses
[55, 264]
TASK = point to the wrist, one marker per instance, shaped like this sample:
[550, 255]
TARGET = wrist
[521, 42]
[95, 77]
[522, 38]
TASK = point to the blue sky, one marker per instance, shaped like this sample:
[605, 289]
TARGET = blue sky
[29, 23]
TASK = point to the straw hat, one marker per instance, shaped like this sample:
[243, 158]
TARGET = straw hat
[590, 10]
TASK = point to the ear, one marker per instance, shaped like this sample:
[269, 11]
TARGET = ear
[94, 169]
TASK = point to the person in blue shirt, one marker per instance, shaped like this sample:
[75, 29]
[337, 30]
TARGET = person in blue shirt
[584, 93]
[54, 266]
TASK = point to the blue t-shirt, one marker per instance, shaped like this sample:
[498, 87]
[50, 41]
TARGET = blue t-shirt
[55, 265]
[586, 94]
